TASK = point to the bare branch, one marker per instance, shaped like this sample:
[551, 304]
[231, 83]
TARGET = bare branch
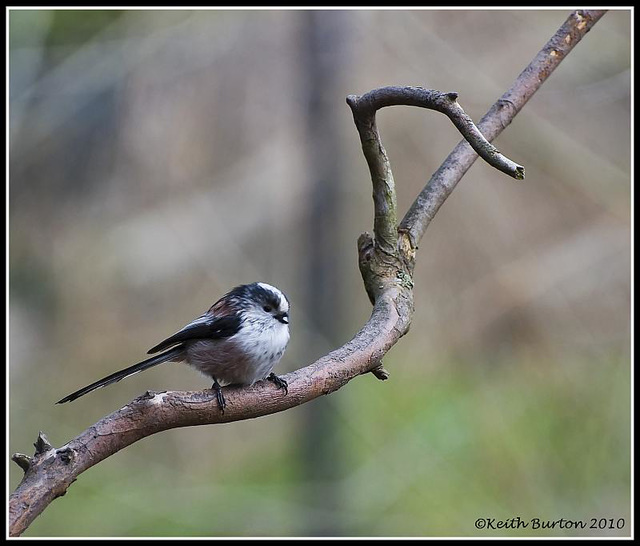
[499, 116]
[51, 471]
[386, 264]
[382, 259]
[384, 191]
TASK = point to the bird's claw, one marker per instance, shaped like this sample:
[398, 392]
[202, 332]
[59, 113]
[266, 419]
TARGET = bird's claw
[279, 382]
[222, 403]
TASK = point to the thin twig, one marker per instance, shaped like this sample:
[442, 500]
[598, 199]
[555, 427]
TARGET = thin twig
[499, 116]
[447, 103]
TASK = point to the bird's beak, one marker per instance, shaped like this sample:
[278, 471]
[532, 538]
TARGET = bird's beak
[283, 317]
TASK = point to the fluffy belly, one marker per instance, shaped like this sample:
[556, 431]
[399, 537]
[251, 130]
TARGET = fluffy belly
[229, 364]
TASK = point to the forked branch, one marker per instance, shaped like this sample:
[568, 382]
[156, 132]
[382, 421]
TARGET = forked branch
[386, 261]
[383, 258]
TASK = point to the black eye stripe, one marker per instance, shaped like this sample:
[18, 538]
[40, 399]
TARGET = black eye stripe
[270, 303]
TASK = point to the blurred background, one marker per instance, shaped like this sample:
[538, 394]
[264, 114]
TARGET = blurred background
[158, 158]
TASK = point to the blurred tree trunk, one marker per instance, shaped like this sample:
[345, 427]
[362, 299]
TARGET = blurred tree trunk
[323, 34]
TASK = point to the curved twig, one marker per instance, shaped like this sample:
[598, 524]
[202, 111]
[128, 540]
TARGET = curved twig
[384, 257]
[447, 103]
[386, 263]
[499, 116]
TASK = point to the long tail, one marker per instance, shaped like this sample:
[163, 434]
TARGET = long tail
[171, 354]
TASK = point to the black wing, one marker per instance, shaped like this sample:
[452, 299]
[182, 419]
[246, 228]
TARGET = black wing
[204, 327]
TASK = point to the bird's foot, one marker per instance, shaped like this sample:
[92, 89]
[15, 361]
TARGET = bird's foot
[278, 382]
[222, 403]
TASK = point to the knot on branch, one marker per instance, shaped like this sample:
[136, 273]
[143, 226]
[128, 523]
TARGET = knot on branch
[382, 269]
[42, 444]
[22, 460]
[66, 454]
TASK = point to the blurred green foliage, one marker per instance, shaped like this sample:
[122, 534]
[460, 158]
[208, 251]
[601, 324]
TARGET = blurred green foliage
[69, 27]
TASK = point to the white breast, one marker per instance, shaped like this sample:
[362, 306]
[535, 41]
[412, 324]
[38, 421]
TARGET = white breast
[243, 358]
[264, 348]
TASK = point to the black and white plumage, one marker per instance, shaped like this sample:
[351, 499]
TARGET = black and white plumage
[237, 341]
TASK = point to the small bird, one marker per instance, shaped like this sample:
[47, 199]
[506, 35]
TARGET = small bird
[237, 341]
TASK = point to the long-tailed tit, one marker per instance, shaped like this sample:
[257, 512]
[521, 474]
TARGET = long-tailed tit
[237, 341]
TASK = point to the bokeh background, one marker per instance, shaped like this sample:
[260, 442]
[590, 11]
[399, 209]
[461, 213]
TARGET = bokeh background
[158, 158]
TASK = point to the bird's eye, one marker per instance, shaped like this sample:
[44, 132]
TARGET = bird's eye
[267, 308]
